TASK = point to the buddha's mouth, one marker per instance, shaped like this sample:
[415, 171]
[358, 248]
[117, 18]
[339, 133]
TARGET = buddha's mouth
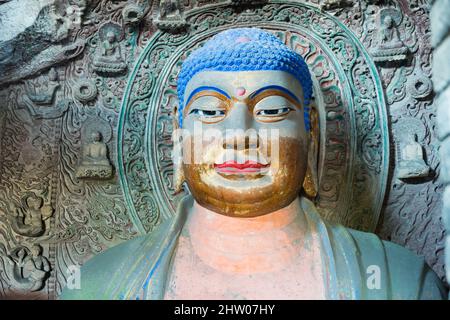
[249, 167]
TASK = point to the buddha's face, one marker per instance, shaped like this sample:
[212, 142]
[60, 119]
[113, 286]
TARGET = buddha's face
[111, 37]
[389, 22]
[96, 136]
[249, 158]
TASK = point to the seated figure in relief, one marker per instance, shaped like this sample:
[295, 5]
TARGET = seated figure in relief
[108, 57]
[245, 233]
[412, 164]
[94, 162]
[30, 219]
[390, 47]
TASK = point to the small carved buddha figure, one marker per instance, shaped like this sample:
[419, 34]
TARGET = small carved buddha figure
[389, 35]
[95, 163]
[169, 17]
[108, 58]
[169, 10]
[46, 93]
[246, 232]
[412, 164]
[390, 47]
[31, 217]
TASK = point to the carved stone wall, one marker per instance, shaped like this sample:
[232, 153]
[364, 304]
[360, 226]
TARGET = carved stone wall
[86, 94]
[441, 76]
[410, 215]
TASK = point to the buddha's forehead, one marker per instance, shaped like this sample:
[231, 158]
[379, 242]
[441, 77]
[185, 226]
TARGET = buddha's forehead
[250, 81]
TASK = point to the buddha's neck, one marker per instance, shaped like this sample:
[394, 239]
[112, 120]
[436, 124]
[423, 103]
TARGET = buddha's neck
[248, 245]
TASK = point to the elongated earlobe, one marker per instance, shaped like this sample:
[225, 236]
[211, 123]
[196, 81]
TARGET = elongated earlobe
[311, 181]
[177, 154]
[309, 185]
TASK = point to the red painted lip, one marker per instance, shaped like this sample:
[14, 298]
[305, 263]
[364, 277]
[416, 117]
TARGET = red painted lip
[248, 166]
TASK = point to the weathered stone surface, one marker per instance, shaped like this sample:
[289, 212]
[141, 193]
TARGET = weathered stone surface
[446, 207]
[440, 23]
[441, 67]
[40, 45]
[441, 76]
[17, 15]
[443, 113]
[445, 167]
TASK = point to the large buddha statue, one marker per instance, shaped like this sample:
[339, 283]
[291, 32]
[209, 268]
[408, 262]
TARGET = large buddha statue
[247, 232]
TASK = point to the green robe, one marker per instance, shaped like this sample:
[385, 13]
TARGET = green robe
[137, 269]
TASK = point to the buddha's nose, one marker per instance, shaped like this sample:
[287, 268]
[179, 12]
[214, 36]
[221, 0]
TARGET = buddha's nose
[241, 142]
[239, 134]
[240, 117]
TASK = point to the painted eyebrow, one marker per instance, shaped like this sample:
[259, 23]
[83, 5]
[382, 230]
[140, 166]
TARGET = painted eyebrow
[279, 88]
[206, 88]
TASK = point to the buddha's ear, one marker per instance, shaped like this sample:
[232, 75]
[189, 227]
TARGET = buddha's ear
[311, 181]
[177, 153]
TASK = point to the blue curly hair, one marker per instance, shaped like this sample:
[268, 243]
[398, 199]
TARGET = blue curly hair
[245, 49]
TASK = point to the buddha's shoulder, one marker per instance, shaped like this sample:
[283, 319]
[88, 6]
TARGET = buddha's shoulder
[115, 257]
[371, 243]
[410, 276]
[97, 273]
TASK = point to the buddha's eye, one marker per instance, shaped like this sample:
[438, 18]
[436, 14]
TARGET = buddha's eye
[272, 114]
[208, 115]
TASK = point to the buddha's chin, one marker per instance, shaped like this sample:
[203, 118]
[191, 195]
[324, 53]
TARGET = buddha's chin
[242, 195]
[245, 209]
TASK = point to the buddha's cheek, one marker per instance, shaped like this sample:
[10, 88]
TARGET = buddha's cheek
[251, 197]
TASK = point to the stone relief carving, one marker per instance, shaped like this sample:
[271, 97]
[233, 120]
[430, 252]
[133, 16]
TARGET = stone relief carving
[411, 162]
[31, 219]
[45, 95]
[440, 37]
[94, 160]
[420, 87]
[25, 269]
[85, 90]
[170, 17]
[39, 112]
[405, 218]
[42, 144]
[390, 48]
[108, 57]
[132, 14]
